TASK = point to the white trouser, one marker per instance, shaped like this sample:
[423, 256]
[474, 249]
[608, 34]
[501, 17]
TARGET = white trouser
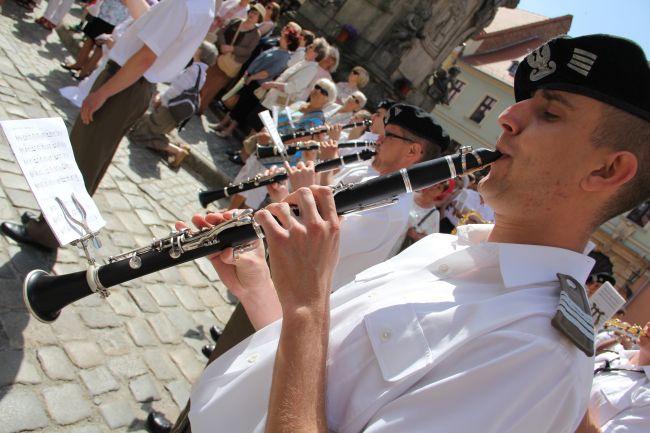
[56, 10]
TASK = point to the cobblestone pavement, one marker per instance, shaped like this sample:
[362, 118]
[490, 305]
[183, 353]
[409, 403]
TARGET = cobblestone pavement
[104, 364]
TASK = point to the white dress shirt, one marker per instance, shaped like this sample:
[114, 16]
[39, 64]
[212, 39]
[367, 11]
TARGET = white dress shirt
[620, 399]
[451, 335]
[173, 30]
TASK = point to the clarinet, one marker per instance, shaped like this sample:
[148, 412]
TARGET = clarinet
[321, 129]
[271, 151]
[46, 295]
[207, 197]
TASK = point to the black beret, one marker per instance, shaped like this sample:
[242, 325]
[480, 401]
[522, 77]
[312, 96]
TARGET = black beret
[418, 122]
[604, 67]
[606, 277]
[386, 104]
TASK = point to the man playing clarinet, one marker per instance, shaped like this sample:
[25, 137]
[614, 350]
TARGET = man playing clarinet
[484, 331]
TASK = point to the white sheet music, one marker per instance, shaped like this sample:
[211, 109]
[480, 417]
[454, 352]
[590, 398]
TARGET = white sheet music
[266, 119]
[44, 153]
[604, 304]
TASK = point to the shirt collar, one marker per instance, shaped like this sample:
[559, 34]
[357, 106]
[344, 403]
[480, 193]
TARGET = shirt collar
[523, 264]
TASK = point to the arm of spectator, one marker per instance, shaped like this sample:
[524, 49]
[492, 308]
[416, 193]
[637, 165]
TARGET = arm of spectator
[265, 27]
[257, 76]
[247, 45]
[273, 85]
[278, 191]
[136, 8]
[300, 80]
[303, 254]
[248, 277]
[128, 74]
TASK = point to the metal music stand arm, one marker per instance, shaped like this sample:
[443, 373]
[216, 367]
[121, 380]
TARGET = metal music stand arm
[81, 227]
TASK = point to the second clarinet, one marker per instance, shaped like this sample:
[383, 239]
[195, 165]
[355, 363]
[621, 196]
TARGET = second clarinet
[292, 149]
[320, 130]
[207, 197]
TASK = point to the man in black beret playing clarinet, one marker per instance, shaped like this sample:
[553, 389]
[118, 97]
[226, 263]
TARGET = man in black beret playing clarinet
[485, 331]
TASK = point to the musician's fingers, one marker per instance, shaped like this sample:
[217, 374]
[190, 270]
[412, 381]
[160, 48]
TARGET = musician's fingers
[306, 203]
[325, 201]
[273, 231]
[309, 164]
[283, 213]
[300, 165]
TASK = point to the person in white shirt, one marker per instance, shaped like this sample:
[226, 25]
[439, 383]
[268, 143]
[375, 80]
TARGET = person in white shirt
[154, 49]
[620, 394]
[475, 332]
[358, 78]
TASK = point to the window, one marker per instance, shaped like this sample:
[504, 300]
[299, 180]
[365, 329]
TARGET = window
[512, 70]
[479, 114]
[454, 90]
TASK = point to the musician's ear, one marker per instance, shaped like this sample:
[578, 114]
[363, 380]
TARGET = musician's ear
[416, 150]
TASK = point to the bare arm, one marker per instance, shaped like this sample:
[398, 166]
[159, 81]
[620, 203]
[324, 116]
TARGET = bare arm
[587, 425]
[136, 8]
[308, 247]
[128, 74]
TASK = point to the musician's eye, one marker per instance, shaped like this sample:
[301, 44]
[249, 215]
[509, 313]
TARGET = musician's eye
[550, 116]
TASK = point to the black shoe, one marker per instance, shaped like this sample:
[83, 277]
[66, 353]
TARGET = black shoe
[18, 232]
[207, 350]
[236, 159]
[28, 216]
[215, 332]
[232, 152]
[157, 423]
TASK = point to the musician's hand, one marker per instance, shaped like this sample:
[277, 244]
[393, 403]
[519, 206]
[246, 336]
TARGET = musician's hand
[91, 104]
[245, 276]
[263, 138]
[278, 191]
[303, 251]
[335, 132]
[329, 150]
[302, 175]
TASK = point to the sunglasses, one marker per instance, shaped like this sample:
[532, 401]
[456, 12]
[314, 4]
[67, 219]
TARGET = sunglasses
[354, 72]
[323, 92]
[399, 137]
[355, 99]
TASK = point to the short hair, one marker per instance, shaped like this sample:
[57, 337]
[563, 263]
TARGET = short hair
[294, 25]
[364, 76]
[275, 11]
[207, 53]
[360, 97]
[321, 47]
[430, 150]
[308, 36]
[620, 130]
[333, 53]
[329, 86]
[363, 115]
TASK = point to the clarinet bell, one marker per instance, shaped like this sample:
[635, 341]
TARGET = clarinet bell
[33, 301]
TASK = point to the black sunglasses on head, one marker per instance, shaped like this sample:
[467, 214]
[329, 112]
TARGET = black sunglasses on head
[323, 92]
[355, 72]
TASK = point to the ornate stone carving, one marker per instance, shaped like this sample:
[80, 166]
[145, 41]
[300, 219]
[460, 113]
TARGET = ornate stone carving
[407, 30]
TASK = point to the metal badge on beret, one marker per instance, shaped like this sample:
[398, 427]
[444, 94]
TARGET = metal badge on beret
[604, 67]
[418, 122]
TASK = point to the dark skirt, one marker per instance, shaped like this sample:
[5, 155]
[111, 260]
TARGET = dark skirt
[97, 26]
[246, 103]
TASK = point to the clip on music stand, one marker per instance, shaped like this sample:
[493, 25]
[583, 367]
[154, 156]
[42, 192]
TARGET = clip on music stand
[81, 227]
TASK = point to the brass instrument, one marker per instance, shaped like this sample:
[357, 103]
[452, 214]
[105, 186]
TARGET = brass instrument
[634, 331]
[470, 217]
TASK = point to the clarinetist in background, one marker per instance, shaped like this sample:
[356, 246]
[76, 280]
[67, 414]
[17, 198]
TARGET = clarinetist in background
[457, 333]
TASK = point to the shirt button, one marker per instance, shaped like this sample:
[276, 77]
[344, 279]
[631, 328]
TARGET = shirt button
[252, 358]
[443, 268]
[385, 335]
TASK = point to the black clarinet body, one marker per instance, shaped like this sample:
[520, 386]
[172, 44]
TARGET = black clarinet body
[207, 197]
[319, 130]
[45, 295]
[292, 149]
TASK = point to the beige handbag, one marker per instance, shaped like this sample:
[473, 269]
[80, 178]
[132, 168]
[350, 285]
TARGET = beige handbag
[227, 63]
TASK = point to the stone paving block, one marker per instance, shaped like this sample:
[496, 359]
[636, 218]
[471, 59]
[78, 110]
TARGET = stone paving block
[223, 312]
[15, 181]
[172, 276]
[123, 239]
[128, 187]
[159, 362]
[69, 255]
[207, 269]
[147, 216]
[114, 342]
[163, 295]
[188, 362]
[122, 304]
[180, 391]
[117, 413]
[144, 389]
[66, 327]
[115, 200]
[88, 428]
[112, 223]
[193, 277]
[98, 380]
[181, 319]
[131, 220]
[141, 332]
[189, 298]
[166, 332]
[144, 300]
[210, 297]
[100, 319]
[127, 366]
[21, 410]
[205, 319]
[55, 363]
[67, 404]
[16, 369]
[23, 331]
[10, 294]
[84, 354]
[21, 198]
[92, 301]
